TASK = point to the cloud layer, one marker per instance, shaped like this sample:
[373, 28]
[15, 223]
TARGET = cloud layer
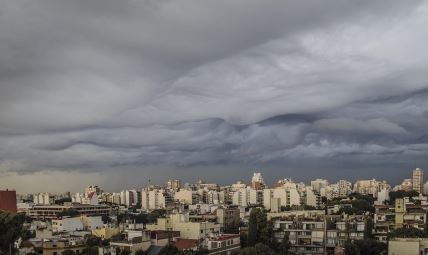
[100, 86]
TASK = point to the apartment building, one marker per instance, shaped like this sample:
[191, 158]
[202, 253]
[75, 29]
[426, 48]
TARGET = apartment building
[228, 217]
[44, 212]
[418, 180]
[58, 246]
[188, 229]
[42, 199]
[402, 214]
[286, 196]
[185, 196]
[222, 244]
[247, 196]
[313, 232]
[306, 234]
[155, 199]
[343, 228]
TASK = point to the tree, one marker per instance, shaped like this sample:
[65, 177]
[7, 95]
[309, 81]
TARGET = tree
[366, 247]
[155, 214]
[91, 250]
[259, 229]
[368, 231]
[200, 251]
[141, 252]
[253, 228]
[408, 232]
[11, 229]
[125, 252]
[68, 252]
[285, 245]
[92, 240]
[169, 250]
[401, 194]
[141, 218]
[258, 249]
[106, 219]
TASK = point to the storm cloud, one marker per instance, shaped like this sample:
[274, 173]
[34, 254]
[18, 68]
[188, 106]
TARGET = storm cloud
[159, 89]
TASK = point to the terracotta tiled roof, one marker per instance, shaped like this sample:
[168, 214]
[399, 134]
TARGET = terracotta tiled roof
[186, 244]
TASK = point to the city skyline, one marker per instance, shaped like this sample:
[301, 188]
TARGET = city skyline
[116, 93]
[247, 180]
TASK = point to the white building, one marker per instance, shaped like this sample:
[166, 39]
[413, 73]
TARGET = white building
[287, 197]
[318, 184]
[189, 230]
[154, 199]
[312, 199]
[70, 224]
[247, 196]
[370, 187]
[382, 196]
[42, 199]
[417, 180]
[93, 188]
[345, 188]
[85, 198]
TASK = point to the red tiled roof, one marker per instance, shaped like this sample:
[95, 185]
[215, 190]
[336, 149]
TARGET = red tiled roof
[186, 244]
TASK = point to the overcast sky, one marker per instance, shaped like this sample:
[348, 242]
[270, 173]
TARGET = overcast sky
[116, 92]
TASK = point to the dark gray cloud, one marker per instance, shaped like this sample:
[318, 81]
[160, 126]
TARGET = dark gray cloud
[332, 88]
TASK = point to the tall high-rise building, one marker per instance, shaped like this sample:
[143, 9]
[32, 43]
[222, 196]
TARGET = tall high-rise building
[257, 181]
[8, 200]
[173, 184]
[93, 189]
[418, 179]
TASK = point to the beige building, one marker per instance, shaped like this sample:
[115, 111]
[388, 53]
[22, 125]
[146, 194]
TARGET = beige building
[185, 196]
[173, 184]
[287, 197]
[57, 247]
[408, 246]
[105, 232]
[133, 245]
[418, 180]
[188, 230]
